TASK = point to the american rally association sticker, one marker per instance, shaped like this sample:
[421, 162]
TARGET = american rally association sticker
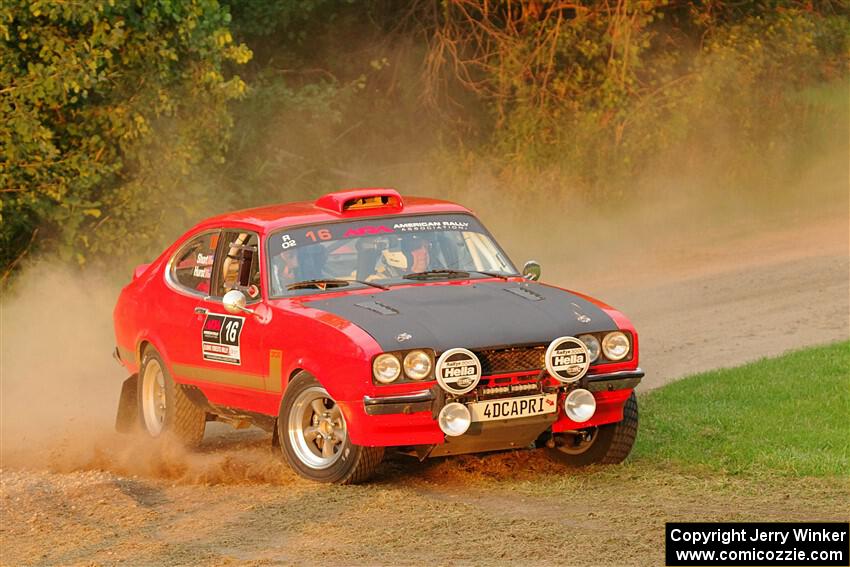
[567, 359]
[424, 226]
[458, 371]
[220, 338]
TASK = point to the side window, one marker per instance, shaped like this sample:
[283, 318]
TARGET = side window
[240, 266]
[192, 268]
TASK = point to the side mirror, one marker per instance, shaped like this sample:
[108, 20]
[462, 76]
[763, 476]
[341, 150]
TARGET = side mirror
[531, 270]
[234, 302]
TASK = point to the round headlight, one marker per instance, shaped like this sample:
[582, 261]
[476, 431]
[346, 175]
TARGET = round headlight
[454, 419]
[580, 405]
[386, 368]
[592, 344]
[615, 346]
[417, 365]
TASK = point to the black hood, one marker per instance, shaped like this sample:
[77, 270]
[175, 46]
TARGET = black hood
[474, 315]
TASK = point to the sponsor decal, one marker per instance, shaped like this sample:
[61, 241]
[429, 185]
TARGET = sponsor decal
[367, 230]
[287, 242]
[205, 259]
[458, 371]
[220, 338]
[201, 272]
[567, 359]
[430, 225]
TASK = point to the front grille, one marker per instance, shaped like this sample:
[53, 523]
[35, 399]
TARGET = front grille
[503, 361]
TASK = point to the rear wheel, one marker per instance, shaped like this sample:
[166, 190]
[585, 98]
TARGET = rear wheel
[314, 436]
[164, 407]
[607, 444]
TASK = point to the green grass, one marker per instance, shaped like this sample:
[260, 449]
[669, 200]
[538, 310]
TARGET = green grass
[788, 415]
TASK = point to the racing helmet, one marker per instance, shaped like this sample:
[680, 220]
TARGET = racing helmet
[393, 263]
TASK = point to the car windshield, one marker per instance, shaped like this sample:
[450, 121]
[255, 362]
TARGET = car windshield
[380, 252]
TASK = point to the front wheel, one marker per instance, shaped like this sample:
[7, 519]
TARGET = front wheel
[607, 444]
[164, 407]
[314, 436]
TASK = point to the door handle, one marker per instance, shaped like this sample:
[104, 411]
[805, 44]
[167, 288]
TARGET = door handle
[201, 311]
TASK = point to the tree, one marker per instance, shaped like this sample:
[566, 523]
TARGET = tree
[105, 109]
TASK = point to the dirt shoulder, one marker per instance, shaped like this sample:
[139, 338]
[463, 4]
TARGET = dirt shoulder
[514, 508]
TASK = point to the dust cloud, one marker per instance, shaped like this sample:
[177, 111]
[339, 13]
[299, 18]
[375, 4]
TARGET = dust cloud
[675, 225]
[59, 390]
[58, 378]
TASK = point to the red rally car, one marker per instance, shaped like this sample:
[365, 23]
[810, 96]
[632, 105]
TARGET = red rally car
[366, 321]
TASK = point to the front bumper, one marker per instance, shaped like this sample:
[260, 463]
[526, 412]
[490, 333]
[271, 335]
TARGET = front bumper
[410, 418]
[625, 380]
[406, 404]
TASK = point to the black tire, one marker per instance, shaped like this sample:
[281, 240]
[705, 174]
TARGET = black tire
[349, 463]
[182, 419]
[609, 444]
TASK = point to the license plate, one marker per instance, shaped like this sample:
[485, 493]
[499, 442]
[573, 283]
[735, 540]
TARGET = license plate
[510, 408]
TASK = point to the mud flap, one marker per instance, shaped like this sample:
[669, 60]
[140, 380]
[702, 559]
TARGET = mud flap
[128, 406]
[275, 437]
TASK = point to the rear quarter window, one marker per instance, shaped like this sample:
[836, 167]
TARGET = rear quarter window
[193, 264]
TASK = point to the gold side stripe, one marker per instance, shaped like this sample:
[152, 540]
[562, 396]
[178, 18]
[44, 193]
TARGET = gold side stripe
[273, 381]
[220, 376]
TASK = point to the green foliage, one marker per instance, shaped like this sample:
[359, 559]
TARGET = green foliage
[602, 92]
[259, 18]
[786, 415]
[122, 122]
[106, 109]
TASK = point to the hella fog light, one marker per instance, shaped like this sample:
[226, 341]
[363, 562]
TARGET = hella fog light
[593, 346]
[417, 365]
[615, 346]
[454, 419]
[386, 368]
[580, 405]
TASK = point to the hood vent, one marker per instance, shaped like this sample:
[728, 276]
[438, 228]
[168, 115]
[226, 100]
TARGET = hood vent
[525, 293]
[377, 307]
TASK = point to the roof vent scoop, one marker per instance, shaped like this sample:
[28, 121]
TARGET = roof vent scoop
[353, 200]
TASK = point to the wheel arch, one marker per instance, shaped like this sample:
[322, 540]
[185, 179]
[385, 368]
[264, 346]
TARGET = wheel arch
[294, 373]
[345, 393]
[146, 341]
[140, 350]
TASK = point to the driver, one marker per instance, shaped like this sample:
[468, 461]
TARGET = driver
[418, 252]
[411, 255]
[286, 269]
[298, 264]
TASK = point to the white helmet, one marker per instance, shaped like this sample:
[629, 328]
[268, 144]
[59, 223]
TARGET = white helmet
[394, 259]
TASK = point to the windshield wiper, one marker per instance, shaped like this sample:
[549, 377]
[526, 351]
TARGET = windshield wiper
[491, 274]
[323, 284]
[448, 272]
[373, 284]
[441, 273]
